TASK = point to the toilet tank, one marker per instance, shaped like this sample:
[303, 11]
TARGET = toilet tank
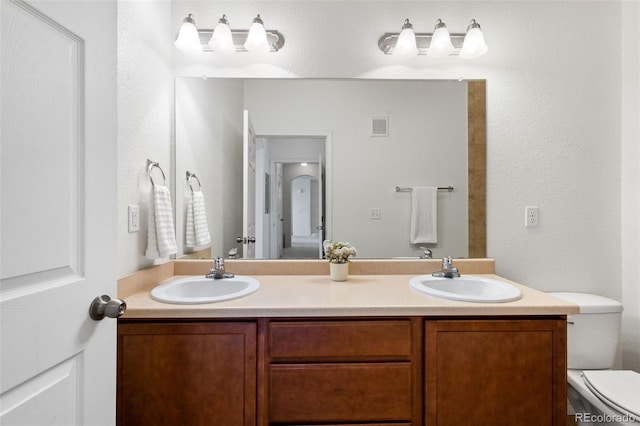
[592, 335]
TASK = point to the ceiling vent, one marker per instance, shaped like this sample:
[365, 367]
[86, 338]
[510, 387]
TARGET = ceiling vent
[380, 126]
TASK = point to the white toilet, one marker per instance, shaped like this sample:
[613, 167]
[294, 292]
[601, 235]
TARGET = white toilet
[598, 395]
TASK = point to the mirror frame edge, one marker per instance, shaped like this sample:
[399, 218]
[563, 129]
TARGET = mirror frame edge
[477, 168]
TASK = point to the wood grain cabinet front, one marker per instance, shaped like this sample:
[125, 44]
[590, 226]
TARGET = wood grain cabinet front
[496, 372]
[188, 373]
[408, 371]
[344, 372]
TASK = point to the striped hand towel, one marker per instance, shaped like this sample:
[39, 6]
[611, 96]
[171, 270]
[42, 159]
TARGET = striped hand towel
[161, 237]
[197, 226]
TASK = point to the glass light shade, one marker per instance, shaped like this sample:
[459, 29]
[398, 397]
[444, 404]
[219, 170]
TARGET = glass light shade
[441, 45]
[188, 39]
[406, 45]
[257, 37]
[222, 40]
[473, 45]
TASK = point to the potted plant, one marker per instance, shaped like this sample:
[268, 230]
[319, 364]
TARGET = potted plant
[338, 254]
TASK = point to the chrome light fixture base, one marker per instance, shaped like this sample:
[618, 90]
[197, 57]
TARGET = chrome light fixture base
[388, 41]
[275, 39]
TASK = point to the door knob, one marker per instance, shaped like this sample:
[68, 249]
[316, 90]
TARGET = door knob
[104, 306]
[245, 240]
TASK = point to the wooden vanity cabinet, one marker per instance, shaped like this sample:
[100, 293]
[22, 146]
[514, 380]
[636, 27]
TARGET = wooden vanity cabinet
[496, 372]
[344, 371]
[186, 373]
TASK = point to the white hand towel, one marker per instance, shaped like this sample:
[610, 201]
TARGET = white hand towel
[424, 215]
[197, 226]
[161, 237]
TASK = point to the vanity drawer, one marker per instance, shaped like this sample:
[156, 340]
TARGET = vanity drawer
[340, 392]
[357, 424]
[366, 340]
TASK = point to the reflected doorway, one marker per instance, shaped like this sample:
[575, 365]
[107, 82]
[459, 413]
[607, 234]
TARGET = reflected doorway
[302, 238]
[291, 197]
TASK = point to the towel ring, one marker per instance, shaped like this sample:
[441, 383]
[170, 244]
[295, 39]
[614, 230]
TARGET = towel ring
[189, 177]
[150, 166]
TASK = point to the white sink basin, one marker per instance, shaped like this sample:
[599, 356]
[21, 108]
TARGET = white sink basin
[194, 290]
[467, 288]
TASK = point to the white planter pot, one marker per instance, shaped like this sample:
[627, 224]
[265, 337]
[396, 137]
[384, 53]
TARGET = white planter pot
[339, 271]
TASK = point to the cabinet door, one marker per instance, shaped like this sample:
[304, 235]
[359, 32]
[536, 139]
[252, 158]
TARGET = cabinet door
[494, 372]
[186, 374]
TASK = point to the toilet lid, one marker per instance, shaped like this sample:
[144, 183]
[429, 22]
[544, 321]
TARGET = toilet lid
[618, 388]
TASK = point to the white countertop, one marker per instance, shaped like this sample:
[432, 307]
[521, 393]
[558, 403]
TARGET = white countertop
[361, 295]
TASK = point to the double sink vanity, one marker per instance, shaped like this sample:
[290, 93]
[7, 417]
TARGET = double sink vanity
[379, 349]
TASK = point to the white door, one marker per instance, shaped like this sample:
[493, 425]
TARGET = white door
[279, 237]
[248, 189]
[57, 211]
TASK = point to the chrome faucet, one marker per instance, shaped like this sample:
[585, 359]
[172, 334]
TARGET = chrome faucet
[426, 253]
[218, 270]
[448, 271]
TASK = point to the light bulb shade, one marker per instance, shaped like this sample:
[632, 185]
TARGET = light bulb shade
[188, 39]
[406, 44]
[441, 45]
[222, 40]
[473, 45]
[257, 37]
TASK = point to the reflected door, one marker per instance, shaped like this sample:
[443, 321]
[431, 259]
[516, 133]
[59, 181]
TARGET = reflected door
[321, 226]
[248, 189]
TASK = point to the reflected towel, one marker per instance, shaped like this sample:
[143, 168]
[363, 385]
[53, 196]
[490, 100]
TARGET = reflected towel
[197, 226]
[424, 214]
[161, 237]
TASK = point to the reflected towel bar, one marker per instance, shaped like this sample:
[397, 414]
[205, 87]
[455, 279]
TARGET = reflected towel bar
[440, 188]
[190, 176]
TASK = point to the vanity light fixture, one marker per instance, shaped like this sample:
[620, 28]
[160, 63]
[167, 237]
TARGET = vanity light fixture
[406, 44]
[474, 44]
[188, 39]
[257, 37]
[223, 39]
[440, 43]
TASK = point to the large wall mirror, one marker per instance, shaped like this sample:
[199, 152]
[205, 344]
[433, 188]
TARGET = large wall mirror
[289, 162]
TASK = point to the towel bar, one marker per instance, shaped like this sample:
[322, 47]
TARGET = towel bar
[440, 188]
[150, 166]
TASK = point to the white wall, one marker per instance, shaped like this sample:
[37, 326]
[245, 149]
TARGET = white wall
[145, 116]
[554, 103]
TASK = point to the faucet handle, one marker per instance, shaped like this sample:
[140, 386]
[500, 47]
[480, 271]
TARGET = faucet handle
[426, 253]
[219, 263]
[446, 262]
